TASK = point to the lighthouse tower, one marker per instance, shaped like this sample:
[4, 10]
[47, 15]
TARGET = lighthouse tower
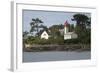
[67, 34]
[66, 27]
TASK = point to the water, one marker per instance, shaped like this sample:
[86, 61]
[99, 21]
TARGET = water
[55, 56]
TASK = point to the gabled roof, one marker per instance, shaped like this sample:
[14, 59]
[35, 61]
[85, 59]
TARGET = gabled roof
[44, 32]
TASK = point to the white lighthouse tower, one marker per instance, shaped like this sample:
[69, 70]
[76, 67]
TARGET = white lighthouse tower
[66, 27]
[67, 34]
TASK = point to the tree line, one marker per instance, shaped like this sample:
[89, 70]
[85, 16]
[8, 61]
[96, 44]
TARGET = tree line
[82, 28]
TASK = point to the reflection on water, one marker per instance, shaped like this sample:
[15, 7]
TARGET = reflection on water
[55, 56]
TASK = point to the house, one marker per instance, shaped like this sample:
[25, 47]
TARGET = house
[44, 35]
[70, 35]
[67, 34]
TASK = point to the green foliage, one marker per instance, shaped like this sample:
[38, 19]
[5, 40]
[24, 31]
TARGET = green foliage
[35, 25]
[56, 40]
[29, 40]
[36, 40]
[54, 30]
[25, 34]
[71, 27]
[81, 20]
[84, 35]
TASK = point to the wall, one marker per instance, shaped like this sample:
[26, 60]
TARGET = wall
[5, 35]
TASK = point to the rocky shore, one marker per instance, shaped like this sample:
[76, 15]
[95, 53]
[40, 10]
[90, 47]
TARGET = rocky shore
[55, 47]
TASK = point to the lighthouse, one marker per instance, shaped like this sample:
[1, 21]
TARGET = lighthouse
[66, 27]
[67, 34]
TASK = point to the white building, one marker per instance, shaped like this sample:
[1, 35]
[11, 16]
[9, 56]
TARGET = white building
[70, 35]
[44, 35]
[67, 34]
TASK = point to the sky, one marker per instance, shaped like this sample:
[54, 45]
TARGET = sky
[48, 17]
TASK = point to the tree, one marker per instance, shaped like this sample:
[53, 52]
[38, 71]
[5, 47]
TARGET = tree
[81, 20]
[44, 28]
[84, 33]
[25, 34]
[84, 36]
[35, 25]
[71, 27]
[89, 23]
[55, 30]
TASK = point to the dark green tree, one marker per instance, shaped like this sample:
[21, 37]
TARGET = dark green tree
[81, 20]
[89, 23]
[43, 28]
[35, 25]
[84, 33]
[71, 27]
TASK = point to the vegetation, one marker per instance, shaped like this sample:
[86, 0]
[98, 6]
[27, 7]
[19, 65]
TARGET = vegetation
[82, 28]
[35, 25]
[81, 20]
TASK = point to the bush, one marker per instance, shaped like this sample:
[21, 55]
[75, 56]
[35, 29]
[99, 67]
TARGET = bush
[71, 41]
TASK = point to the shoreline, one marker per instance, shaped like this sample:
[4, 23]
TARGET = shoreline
[55, 47]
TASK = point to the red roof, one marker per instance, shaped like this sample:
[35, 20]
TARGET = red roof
[66, 23]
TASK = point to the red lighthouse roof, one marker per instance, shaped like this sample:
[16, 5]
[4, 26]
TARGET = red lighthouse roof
[66, 23]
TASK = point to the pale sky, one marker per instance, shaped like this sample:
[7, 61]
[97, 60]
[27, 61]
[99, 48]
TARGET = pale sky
[48, 17]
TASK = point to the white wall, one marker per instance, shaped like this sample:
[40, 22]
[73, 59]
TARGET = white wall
[5, 35]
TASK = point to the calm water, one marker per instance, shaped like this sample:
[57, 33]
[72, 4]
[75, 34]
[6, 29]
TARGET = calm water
[55, 56]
